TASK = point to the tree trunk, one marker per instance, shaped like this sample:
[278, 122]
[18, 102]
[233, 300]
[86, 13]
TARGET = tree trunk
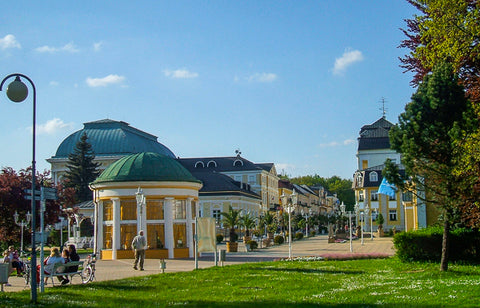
[445, 244]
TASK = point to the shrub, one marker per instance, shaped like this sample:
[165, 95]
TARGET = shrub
[219, 238]
[298, 235]
[426, 245]
[279, 239]
[312, 233]
[253, 244]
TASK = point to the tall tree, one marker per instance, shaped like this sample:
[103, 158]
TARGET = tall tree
[334, 184]
[82, 170]
[433, 122]
[445, 31]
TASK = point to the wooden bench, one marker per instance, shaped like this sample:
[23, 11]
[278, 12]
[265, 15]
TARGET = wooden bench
[59, 268]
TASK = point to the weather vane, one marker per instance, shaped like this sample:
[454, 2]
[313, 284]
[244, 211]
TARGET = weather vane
[237, 151]
[383, 109]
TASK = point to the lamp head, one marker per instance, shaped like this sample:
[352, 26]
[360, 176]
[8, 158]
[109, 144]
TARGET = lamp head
[294, 197]
[139, 195]
[17, 91]
[16, 217]
[342, 208]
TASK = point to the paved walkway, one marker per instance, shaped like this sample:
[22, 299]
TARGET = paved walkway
[315, 246]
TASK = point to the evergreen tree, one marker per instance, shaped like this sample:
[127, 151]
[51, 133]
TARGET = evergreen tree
[82, 170]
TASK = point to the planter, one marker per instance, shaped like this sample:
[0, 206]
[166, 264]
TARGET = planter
[380, 232]
[232, 246]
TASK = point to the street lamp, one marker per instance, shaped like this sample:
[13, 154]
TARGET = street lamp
[140, 203]
[289, 207]
[360, 220]
[349, 213]
[306, 215]
[367, 210]
[22, 224]
[17, 92]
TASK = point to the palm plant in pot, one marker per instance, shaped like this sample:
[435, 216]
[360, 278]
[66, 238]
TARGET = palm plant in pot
[380, 221]
[249, 222]
[232, 219]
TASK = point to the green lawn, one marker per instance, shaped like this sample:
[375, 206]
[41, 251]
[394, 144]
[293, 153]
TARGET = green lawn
[357, 283]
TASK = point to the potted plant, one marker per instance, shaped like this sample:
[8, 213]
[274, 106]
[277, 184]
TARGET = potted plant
[232, 219]
[248, 221]
[380, 221]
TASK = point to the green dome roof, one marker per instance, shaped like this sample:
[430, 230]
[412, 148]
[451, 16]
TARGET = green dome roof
[109, 137]
[146, 166]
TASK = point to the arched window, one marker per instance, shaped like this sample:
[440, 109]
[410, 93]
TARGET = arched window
[238, 163]
[373, 177]
[199, 164]
[211, 164]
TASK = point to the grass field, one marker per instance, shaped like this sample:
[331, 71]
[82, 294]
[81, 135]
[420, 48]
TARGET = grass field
[354, 283]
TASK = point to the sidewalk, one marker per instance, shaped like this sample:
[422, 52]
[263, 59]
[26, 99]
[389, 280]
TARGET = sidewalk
[315, 246]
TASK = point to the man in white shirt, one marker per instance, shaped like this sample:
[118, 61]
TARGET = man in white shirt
[139, 244]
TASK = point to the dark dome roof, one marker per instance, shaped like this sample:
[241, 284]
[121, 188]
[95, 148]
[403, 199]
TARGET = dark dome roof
[109, 137]
[146, 166]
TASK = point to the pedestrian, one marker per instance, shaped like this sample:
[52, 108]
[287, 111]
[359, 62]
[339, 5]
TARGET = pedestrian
[139, 244]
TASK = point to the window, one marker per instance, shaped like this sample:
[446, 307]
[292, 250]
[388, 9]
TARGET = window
[155, 210]
[216, 214]
[128, 210]
[107, 237]
[194, 209]
[392, 198]
[374, 195]
[361, 196]
[211, 164]
[251, 179]
[393, 215]
[156, 236]
[374, 215]
[199, 164]
[180, 235]
[238, 163]
[107, 210]
[373, 176]
[407, 196]
[179, 209]
[127, 233]
[238, 178]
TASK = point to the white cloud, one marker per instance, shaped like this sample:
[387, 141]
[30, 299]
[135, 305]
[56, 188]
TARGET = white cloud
[54, 83]
[262, 77]
[337, 143]
[9, 41]
[180, 74]
[105, 81]
[70, 47]
[348, 58]
[53, 126]
[97, 46]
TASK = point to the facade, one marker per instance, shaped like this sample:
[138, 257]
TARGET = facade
[402, 211]
[167, 216]
[258, 184]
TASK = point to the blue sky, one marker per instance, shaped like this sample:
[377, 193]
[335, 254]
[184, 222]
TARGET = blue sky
[288, 82]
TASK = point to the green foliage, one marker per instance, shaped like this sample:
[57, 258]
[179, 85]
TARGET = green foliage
[334, 184]
[219, 238]
[232, 219]
[312, 233]
[82, 170]
[426, 245]
[253, 244]
[380, 219]
[279, 239]
[248, 221]
[298, 235]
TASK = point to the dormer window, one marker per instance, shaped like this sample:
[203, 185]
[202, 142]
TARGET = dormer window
[373, 176]
[199, 164]
[238, 163]
[212, 164]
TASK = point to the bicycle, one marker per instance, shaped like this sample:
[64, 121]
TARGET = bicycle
[88, 272]
[26, 259]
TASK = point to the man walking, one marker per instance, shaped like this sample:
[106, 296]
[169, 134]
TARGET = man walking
[139, 244]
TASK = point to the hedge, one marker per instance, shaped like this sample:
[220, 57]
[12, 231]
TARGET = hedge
[426, 245]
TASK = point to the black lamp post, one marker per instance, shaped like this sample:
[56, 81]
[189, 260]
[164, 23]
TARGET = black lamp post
[17, 92]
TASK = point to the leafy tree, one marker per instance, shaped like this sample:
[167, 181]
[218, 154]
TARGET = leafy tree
[231, 219]
[12, 199]
[425, 136]
[82, 170]
[334, 184]
[445, 31]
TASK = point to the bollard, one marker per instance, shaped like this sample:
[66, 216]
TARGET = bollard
[4, 273]
[163, 265]
[222, 256]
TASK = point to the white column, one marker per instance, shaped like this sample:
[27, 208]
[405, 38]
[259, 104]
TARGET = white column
[116, 227]
[189, 226]
[99, 226]
[168, 215]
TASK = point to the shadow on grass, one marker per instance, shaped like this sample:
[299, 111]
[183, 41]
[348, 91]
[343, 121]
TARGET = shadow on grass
[308, 270]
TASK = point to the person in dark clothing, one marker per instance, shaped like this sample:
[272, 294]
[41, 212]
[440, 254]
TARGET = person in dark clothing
[70, 269]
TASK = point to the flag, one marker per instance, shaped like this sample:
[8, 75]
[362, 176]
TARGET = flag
[206, 237]
[387, 188]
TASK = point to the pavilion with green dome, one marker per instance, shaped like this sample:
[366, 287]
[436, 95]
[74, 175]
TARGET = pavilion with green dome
[167, 215]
